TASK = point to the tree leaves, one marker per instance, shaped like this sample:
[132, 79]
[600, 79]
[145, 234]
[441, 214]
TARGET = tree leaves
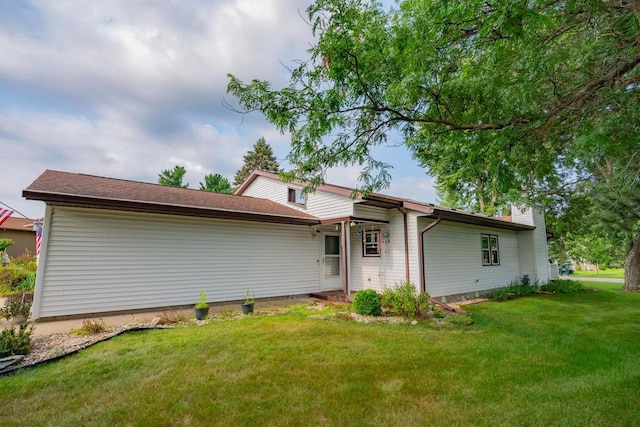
[216, 183]
[173, 177]
[523, 95]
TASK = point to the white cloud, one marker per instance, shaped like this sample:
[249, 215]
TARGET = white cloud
[126, 89]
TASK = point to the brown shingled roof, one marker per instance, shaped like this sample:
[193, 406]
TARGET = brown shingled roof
[72, 189]
[20, 224]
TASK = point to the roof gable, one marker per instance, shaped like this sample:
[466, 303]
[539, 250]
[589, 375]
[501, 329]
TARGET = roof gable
[391, 202]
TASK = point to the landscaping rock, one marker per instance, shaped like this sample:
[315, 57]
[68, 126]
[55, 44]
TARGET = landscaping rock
[8, 361]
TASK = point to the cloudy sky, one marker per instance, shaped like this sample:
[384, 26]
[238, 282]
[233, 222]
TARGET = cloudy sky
[128, 88]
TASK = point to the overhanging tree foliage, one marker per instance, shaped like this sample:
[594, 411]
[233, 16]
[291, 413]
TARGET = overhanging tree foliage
[493, 98]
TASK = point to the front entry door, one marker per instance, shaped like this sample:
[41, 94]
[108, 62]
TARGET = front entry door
[331, 262]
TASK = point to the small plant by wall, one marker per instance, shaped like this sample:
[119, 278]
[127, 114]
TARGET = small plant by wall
[564, 286]
[404, 300]
[514, 290]
[15, 340]
[90, 327]
[17, 305]
[19, 275]
[367, 303]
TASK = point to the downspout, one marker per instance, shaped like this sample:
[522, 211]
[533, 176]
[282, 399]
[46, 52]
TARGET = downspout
[423, 285]
[343, 255]
[406, 245]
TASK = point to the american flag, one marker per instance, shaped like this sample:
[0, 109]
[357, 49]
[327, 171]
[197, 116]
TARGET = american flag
[38, 239]
[4, 215]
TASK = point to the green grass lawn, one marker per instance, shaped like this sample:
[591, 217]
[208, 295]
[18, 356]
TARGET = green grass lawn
[541, 360]
[609, 273]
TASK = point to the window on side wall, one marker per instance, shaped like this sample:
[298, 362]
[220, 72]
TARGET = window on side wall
[490, 249]
[296, 196]
[371, 243]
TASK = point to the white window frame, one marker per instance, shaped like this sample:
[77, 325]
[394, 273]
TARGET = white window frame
[373, 244]
[490, 253]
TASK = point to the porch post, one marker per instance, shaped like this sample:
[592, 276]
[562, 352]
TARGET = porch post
[406, 245]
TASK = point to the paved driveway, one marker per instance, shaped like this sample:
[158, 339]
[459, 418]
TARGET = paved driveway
[593, 279]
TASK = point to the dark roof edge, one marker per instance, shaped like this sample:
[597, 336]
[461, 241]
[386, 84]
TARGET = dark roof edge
[470, 219]
[162, 208]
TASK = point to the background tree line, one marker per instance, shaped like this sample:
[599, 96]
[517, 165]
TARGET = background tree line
[260, 157]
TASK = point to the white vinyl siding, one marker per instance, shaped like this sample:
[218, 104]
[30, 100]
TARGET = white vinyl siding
[453, 260]
[540, 245]
[389, 268]
[320, 204]
[526, 255]
[101, 261]
[534, 252]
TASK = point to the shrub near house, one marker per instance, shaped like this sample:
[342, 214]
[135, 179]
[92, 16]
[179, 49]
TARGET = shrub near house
[19, 275]
[367, 303]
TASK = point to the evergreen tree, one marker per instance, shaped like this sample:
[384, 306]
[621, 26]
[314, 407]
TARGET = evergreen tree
[261, 157]
[173, 177]
[216, 183]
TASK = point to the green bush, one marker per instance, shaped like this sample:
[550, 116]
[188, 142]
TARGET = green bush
[17, 305]
[90, 327]
[564, 286]
[26, 261]
[28, 284]
[5, 243]
[14, 342]
[367, 303]
[513, 290]
[404, 300]
[11, 276]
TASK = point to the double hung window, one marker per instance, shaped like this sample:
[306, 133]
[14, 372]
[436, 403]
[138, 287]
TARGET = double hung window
[490, 249]
[371, 243]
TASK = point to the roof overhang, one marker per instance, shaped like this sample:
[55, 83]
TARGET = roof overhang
[467, 218]
[354, 219]
[380, 201]
[57, 199]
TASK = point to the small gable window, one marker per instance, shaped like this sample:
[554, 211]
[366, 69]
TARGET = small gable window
[371, 243]
[296, 196]
[490, 249]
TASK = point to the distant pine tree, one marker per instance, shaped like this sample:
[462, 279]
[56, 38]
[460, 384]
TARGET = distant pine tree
[261, 157]
[216, 183]
[173, 177]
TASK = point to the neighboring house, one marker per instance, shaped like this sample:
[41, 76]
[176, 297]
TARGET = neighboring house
[21, 232]
[112, 245]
